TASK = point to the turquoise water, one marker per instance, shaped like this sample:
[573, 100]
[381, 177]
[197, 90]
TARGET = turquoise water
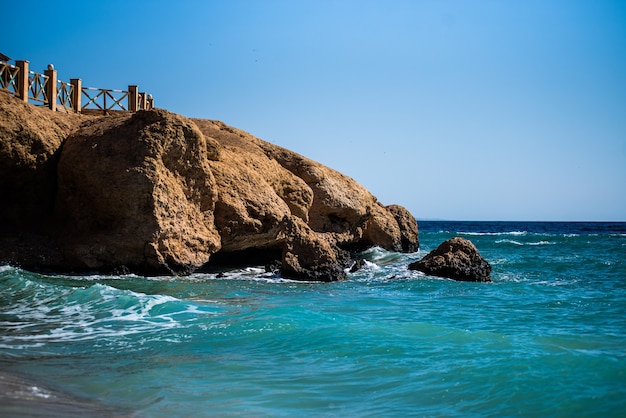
[546, 338]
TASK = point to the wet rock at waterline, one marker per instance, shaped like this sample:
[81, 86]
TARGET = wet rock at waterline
[457, 259]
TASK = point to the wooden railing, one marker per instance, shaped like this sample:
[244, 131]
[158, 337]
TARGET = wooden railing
[38, 87]
[45, 89]
[98, 98]
[9, 77]
[65, 93]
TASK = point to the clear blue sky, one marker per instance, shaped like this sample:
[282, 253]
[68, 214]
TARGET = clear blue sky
[484, 110]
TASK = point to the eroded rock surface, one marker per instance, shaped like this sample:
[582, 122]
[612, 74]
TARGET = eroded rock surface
[309, 255]
[136, 190]
[154, 192]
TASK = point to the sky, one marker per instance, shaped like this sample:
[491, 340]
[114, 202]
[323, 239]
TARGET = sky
[459, 110]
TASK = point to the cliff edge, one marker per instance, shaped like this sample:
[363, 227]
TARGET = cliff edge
[153, 192]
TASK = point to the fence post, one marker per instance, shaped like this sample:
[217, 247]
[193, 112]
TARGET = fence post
[51, 87]
[5, 69]
[77, 93]
[142, 101]
[133, 97]
[22, 80]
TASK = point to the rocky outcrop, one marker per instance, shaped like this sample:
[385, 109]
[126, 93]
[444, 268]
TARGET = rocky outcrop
[136, 191]
[255, 193]
[328, 201]
[393, 228]
[153, 192]
[457, 259]
[409, 237]
[308, 255]
[270, 185]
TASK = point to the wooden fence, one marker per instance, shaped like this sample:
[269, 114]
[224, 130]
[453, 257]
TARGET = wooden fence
[46, 90]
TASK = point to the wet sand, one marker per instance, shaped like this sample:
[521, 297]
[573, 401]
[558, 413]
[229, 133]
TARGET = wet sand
[20, 396]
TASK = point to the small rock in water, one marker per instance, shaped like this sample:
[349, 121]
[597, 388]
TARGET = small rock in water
[457, 259]
[358, 265]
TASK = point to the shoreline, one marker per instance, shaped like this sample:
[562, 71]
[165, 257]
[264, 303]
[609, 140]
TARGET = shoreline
[23, 396]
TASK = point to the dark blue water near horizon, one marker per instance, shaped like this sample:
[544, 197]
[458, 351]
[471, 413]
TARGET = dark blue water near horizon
[546, 338]
[534, 227]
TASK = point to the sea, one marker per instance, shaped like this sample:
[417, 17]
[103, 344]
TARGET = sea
[546, 338]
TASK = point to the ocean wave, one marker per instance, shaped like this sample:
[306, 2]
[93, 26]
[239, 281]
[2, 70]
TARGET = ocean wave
[6, 267]
[253, 274]
[518, 234]
[514, 233]
[380, 256]
[509, 241]
[59, 314]
[514, 242]
[556, 282]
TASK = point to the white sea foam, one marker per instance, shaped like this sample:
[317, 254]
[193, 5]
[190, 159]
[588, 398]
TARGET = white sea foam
[273, 278]
[375, 253]
[509, 241]
[254, 274]
[556, 282]
[514, 242]
[98, 311]
[514, 233]
[7, 267]
[368, 265]
[247, 273]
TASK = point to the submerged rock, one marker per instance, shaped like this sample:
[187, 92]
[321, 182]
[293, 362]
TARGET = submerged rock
[457, 259]
[358, 265]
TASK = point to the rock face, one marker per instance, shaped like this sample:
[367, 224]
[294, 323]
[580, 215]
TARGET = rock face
[136, 192]
[30, 141]
[153, 192]
[389, 223]
[307, 255]
[272, 198]
[457, 259]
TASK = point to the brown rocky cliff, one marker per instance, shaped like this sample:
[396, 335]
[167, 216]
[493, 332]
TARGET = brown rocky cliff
[328, 201]
[136, 190]
[30, 141]
[154, 192]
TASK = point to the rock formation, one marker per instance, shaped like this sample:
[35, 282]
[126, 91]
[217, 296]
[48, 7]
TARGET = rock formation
[308, 255]
[153, 192]
[136, 191]
[457, 259]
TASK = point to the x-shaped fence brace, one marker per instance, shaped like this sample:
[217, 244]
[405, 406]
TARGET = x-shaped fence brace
[64, 93]
[37, 86]
[103, 94]
[8, 77]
